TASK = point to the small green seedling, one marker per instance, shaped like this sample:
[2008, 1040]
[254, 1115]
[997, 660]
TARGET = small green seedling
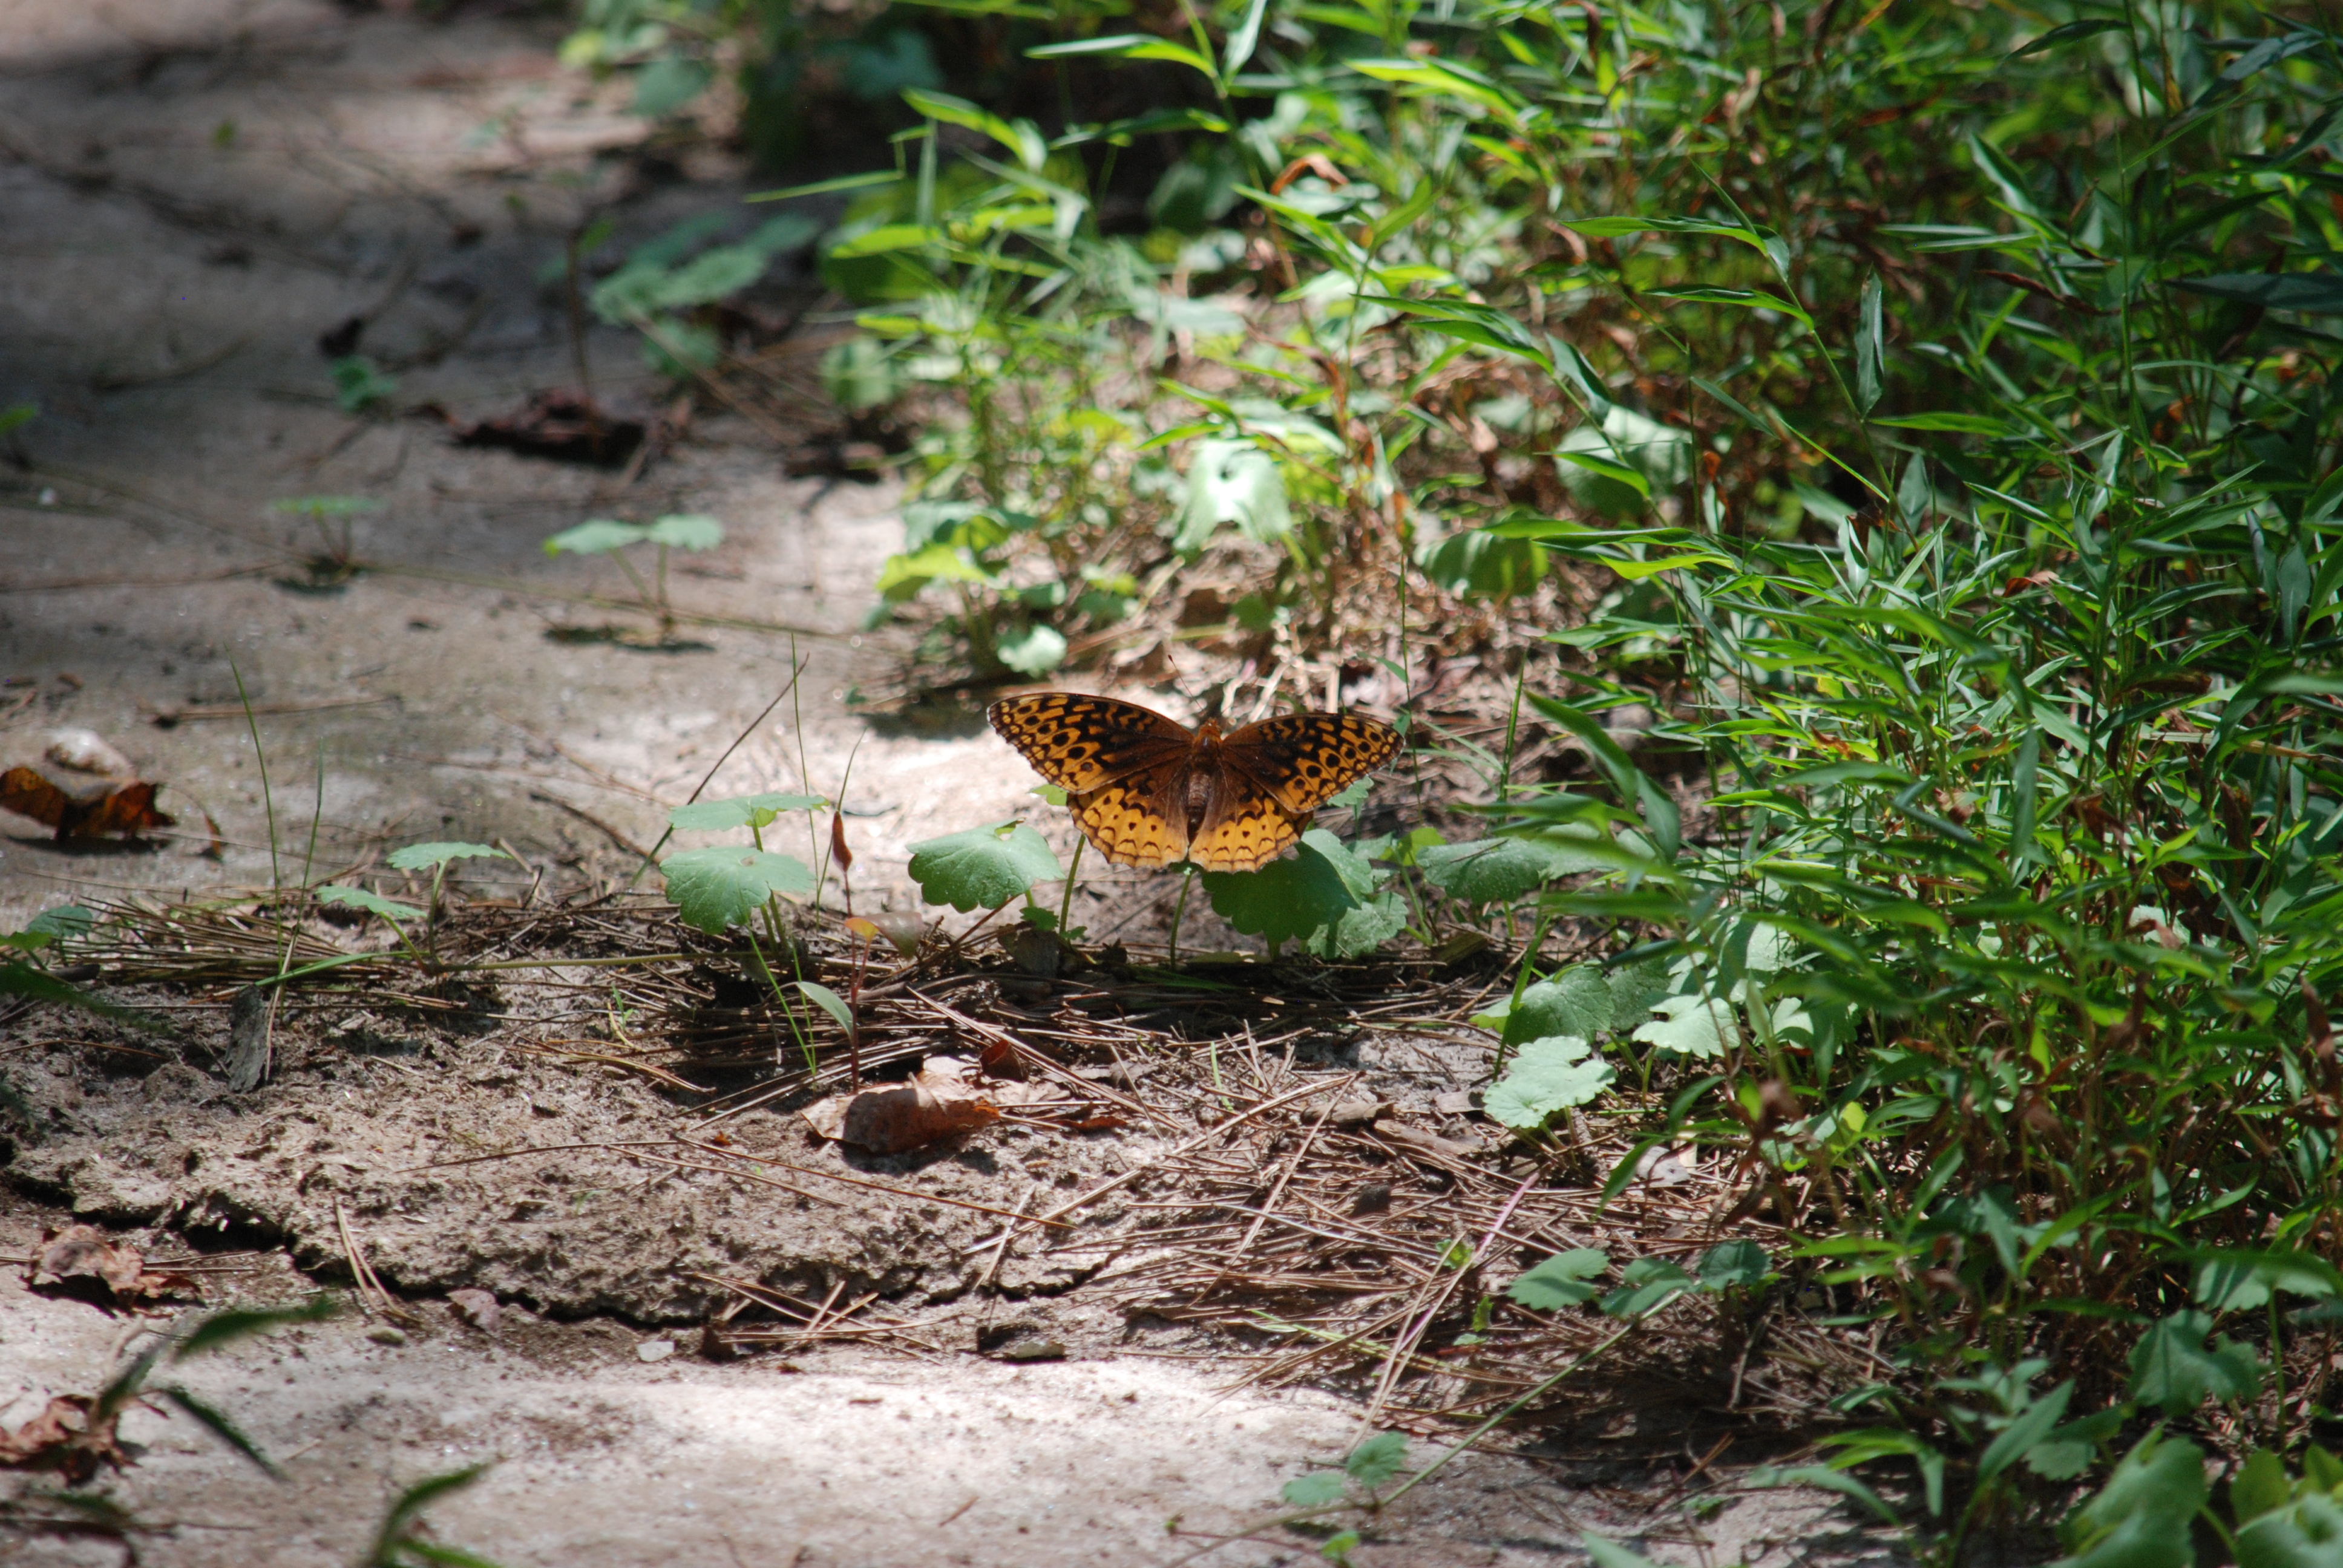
[728, 885]
[27, 978]
[436, 858]
[392, 913]
[1645, 1285]
[339, 563]
[609, 536]
[1371, 1467]
[360, 385]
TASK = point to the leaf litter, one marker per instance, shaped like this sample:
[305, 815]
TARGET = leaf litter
[1284, 1183]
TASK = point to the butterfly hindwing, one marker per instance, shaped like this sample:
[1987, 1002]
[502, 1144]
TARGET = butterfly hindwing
[1308, 758]
[1140, 821]
[1246, 826]
[1081, 743]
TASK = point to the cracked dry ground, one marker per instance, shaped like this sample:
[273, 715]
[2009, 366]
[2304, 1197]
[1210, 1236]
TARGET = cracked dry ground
[193, 192]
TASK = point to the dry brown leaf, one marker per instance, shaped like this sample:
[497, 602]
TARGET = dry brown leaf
[85, 1255]
[83, 808]
[947, 1097]
[61, 1438]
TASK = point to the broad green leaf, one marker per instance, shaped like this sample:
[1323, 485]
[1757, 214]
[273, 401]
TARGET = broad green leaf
[1733, 1264]
[1565, 1280]
[24, 979]
[1035, 651]
[1323, 895]
[365, 899]
[432, 856]
[1487, 870]
[1870, 346]
[1321, 1489]
[1547, 1077]
[1377, 1459]
[741, 811]
[686, 531]
[829, 1001]
[2140, 1518]
[597, 535]
[1646, 1285]
[50, 927]
[2260, 1487]
[1692, 1026]
[1577, 1002]
[724, 886]
[1476, 563]
[2030, 1426]
[2238, 1280]
[2175, 1369]
[1231, 482]
[2306, 1533]
[983, 867]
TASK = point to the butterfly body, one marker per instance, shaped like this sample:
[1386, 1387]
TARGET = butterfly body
[1147, 791]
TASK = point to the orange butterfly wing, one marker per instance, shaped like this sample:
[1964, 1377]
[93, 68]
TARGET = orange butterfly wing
[1305, 760]
[1080, 742]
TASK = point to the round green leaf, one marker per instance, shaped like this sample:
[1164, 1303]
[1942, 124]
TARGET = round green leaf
[372, 902]
[721, 887]
[1577, 1002]
[1646, 1285]
[1316, 1490]
[1731, 1263]
[983, 867]
[1487, 870]
[1548, 1077]
[1324, 895]
[1563, 1280]
[598, 536]
[429, 856]
[686, 531]
[741, 811]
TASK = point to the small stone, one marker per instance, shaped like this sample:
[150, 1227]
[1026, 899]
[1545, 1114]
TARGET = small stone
[655, 1350]
[1374, 1197]
[477, 1308]
[1357, 1112]
[1031, 1350]
[1460, 1102]
[384, 1335]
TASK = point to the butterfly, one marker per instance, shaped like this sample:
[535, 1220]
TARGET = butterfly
[1149, 791]
[84, 810]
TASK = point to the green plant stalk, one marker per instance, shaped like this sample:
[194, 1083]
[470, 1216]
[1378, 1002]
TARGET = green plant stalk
[260, 754]
[1066, 903]
[1179, 911]
[765, 973]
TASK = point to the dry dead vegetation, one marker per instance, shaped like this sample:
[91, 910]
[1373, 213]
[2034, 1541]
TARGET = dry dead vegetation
[1280, 1171]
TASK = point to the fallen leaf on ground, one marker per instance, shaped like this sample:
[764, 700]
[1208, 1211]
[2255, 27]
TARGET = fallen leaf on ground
[947, 1097]
[87, 751]
[84, 1253]
[61, 1438]
[558, 423]
[83, 807]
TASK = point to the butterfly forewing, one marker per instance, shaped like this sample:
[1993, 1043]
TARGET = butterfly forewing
[1308, 758]
[1081, 743]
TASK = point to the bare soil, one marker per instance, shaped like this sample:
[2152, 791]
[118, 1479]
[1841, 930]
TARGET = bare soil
[196, 193]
